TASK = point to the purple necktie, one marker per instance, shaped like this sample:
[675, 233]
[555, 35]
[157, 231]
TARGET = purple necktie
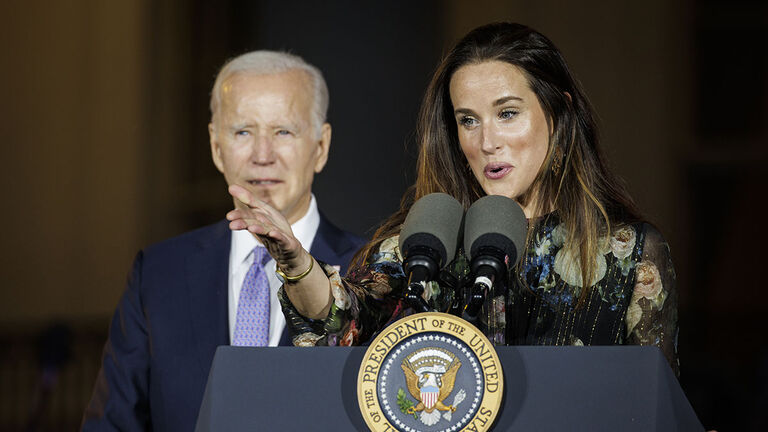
[252, 322]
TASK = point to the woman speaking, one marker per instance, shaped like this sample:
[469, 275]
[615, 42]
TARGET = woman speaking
[502, 116]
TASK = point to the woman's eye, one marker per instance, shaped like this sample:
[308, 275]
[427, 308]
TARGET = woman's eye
[283, 132]
[467, 121]
[507, 114]
[242, 133]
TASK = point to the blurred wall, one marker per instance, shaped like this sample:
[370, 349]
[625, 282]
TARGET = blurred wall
[72, 119]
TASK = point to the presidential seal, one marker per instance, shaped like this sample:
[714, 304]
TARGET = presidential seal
[430, 372]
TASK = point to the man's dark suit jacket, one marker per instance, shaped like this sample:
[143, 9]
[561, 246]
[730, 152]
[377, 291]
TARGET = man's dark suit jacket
[171, 318]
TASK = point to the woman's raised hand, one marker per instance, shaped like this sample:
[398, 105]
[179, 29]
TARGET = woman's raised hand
[271, 228]
[311, 295]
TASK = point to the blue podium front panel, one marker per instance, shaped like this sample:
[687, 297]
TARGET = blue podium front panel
[627, 388]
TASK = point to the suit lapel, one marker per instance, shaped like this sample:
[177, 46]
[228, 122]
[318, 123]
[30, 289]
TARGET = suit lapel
[332, 246]
[207, 282]
[323, 245]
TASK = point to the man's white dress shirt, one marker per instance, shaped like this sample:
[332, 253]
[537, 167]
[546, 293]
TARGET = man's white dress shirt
[241, 257]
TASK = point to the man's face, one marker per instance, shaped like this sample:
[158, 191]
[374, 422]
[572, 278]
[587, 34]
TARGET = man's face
[263, 138]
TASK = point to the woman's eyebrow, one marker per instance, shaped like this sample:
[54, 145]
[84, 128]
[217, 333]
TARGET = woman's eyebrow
[463, 111]
[497, 102]
[505, 99]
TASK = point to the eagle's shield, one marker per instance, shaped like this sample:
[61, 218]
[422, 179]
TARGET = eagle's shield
[429, 396]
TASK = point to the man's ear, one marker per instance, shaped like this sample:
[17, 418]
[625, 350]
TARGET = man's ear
[323, 146]
[215, 148]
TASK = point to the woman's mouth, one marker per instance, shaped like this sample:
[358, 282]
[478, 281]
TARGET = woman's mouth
[497, 170]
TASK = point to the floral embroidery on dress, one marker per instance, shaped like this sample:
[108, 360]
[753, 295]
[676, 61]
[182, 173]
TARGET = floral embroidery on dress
[648, 286]
[390, 250]
[340, 296]
[350, 337]
[623, 243]
[305, 339]
[540, 258]
[568, 266]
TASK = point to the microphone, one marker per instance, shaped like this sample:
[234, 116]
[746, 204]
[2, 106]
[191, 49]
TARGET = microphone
[494, 237]
[428, 242]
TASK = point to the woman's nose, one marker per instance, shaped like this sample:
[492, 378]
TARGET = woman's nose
[490, 141]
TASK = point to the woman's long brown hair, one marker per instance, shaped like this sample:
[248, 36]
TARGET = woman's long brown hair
[574, 179]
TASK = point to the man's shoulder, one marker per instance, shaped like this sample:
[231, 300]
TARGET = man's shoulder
[338, 239]
[191, 240]
[335, 246]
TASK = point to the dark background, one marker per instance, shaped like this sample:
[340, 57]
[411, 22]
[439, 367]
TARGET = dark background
[105, 150]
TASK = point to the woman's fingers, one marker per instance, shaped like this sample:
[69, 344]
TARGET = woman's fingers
[238, 224]
[244, 196]
[253, 207]
[247, 214]
[249, 217]
[266, 223]
[253, 203]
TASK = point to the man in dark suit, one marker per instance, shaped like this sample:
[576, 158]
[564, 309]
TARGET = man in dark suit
[215, 286]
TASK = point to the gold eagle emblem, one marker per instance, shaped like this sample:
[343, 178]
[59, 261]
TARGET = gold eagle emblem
[430, 374]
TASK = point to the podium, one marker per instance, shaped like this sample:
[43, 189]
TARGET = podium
[606, 388]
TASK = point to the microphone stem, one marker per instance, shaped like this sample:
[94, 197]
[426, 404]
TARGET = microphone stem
[485, 269]
[477, 296]
[413, 294]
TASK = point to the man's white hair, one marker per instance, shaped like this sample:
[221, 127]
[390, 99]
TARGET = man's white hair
[271, 62]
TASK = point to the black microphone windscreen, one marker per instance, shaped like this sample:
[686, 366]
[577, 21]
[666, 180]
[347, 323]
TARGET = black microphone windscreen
[433, 221]
[495, 221]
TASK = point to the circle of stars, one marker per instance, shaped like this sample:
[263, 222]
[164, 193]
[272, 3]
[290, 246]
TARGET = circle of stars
[454, 345]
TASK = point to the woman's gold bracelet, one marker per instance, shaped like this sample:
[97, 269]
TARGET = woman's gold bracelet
[285, 278]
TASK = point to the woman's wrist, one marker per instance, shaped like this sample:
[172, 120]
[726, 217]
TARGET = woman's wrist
[295, 272]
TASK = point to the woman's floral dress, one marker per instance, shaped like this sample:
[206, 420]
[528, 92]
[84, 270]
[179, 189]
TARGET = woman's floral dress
[632, 297]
